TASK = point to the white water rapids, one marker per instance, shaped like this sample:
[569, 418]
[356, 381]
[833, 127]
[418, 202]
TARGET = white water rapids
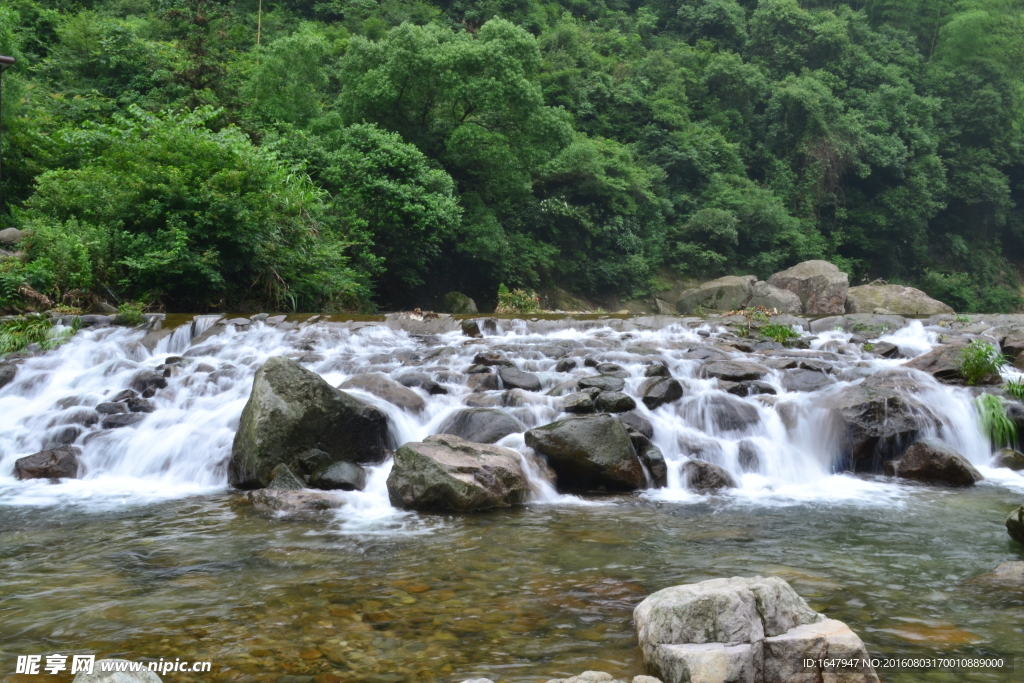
[183, 446]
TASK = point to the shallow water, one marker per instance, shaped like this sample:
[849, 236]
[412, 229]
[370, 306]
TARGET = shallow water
[149, 556]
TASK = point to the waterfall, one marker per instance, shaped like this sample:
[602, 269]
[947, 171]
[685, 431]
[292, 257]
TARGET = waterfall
[779, 447]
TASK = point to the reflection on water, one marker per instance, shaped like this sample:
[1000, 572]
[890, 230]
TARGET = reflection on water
[514, 596]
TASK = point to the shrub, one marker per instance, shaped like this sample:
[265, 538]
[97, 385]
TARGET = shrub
[779, 333]
[980, 360]
[130, 313]
[517, 301]
[1015, 388]
[18, 333]
[995, 423]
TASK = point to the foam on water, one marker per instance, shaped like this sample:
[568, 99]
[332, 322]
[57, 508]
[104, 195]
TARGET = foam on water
[183, 447]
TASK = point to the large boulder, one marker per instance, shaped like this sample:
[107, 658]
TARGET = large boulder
[771, 297]
[703, 476]
[459, 304]
[57, 463]
[481, 425]
[589, 453]
[742, 630]
[446, 473]
[1015, 525]
[894, 298]
[820, 285]
[386, 388]
[933, 463]
[292, 412]
[728, 293]
[877, 419]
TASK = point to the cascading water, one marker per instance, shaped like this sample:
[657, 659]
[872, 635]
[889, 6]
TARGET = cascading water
[778, 447]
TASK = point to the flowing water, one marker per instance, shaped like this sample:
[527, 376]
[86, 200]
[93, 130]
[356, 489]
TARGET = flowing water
[149, 555]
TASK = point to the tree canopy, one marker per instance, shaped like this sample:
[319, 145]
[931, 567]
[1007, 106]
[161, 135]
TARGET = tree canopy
[344, 154]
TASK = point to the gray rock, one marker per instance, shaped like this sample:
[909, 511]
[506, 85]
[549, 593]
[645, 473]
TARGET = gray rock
[492, 358]
[704, 476]
[728, 293]
[651, 457]
[769, 296]
[1015, 525]
[877, 419]
[283, 479]
[386, 388]
[602, 383]
[805, 380]
[741, 630]
[614, 402]
[10, 237]
[749, 456]
[895, 298]
[292, 410]
[483, 382]
[514, 378]
[934, 463]
[481, 425]
[93, 320]
[471, 328]
[340, 475]
[291, 502]
[634, 420]
[8, 371]
[458, 303]
[57, 463]
[589, 452]
[943, 363]
[1009, 458]
[100, 676]
[657, 391]
[121, 420]
[446, 473]
[477, 369]
[721, 412]
[577, 404]
[147, 381]
[418, 379]
[566, 365]
[745, 389]
[140, 405]
[657, 370]
[733, 371]
[820, 285]
[111, 408]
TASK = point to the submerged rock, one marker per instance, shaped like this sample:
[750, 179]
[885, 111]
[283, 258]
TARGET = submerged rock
[481, 425]
[821, 287]
[1015, 525]
[703, 476]
[589, 453]
[57, 463]
[292, 410]
[446, 473]
[386, 388]
[934, 463]
[291, 501]
[742, 630]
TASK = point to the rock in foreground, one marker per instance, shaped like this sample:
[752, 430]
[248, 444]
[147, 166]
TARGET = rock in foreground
[703, 476]
[933, 463]
[446, 473]
[742, 630]
[58, 463]
[284, 501]
[293, 412]
[1015, 525]
[589, 453]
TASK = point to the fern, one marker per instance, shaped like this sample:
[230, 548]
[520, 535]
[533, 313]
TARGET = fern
[995, 423]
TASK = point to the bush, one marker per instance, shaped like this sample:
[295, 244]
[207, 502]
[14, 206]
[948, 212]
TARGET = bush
[517, 301]
[779, 333]
[18, 333]
[1015, 388]
[130, 313]
[995, 423]
[979, 361]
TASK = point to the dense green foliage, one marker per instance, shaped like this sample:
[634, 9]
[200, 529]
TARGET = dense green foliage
[995, 423]
[385, 152]
[980, 361]
[17, 333]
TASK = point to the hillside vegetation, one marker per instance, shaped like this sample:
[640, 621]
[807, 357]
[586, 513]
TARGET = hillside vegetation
[352, 154]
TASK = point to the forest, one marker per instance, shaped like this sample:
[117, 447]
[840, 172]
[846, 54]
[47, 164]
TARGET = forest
[357, 155]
